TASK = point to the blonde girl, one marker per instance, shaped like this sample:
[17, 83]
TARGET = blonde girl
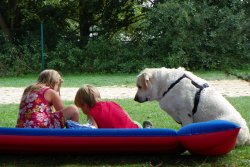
[41, 106]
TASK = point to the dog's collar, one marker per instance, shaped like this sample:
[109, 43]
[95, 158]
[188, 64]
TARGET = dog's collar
[197, 95]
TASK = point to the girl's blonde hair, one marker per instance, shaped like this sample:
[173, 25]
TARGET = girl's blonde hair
[47, 77]
[87, 94]
[50, 78]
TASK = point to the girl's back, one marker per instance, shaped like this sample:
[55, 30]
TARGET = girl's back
[36, 112]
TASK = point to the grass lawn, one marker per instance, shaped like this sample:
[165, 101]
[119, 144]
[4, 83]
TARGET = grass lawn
[76, 80]
[139, 112]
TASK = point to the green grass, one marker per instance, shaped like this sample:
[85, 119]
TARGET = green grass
[76, 80]
[242, 74]
[214, 75]
[139, 112]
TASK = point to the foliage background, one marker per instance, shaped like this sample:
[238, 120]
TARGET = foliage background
[108, 36]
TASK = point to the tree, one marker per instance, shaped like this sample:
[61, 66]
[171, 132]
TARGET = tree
[10, 18]
[107, 16]
[197, 34]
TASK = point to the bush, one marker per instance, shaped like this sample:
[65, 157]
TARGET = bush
[18, 59]
[197, 35]
[103, 55]
[65, 57]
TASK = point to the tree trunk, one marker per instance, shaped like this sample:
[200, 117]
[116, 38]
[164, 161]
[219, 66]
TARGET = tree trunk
[13, 7]
[84, 22]
[5, 28]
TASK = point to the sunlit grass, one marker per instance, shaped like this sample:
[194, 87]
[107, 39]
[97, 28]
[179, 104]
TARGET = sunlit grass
[239, 157]
[76, 80]
[138, 112]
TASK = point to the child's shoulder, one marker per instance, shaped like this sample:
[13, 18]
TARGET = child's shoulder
[106, 102]
[110, 103]
[37, 89]
[45, 88]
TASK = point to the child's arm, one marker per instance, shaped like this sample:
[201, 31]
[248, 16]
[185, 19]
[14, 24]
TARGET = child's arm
[52, 97]
[92, 121]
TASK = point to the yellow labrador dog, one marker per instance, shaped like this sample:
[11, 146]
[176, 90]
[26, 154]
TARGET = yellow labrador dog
[187, 98]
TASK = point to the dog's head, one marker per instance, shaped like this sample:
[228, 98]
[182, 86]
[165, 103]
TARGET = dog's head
[145, 86]
[153, 82]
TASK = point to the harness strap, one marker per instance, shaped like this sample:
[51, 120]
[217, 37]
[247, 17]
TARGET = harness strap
[197, 97]
[197, 94]
[173, 84]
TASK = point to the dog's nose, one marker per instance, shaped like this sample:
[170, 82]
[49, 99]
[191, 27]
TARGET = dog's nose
[136, 99]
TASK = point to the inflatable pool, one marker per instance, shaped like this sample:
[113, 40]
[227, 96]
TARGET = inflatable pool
[206, 138]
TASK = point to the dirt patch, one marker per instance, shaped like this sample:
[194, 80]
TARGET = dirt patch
[230, 88]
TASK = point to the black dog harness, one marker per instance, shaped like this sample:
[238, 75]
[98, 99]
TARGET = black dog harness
[197, 95]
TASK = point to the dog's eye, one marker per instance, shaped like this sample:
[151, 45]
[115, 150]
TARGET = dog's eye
[139, 87]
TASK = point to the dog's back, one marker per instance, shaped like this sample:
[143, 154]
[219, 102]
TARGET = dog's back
[187, 98]
[211, 104]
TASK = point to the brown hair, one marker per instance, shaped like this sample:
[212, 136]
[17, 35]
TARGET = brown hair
[47, 77]
[87, 94]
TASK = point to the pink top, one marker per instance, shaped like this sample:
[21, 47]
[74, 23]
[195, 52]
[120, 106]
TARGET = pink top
[36, 112]
[110, 115]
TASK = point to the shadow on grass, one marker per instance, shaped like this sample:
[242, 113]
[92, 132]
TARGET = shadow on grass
[107, 160]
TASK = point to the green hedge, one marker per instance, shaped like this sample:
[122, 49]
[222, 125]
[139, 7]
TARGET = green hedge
[197, 35]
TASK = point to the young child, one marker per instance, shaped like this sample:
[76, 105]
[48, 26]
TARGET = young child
[102, 114]
[39, 101]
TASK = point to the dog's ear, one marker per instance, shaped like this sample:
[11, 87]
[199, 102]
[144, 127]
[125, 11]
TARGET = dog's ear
[145, 80]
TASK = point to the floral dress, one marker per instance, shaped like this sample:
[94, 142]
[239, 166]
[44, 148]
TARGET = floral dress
[36, 112]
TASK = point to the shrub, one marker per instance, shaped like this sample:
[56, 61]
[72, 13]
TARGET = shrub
[113, 55]
[65, 57]
[197, 35]
[17, 59]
